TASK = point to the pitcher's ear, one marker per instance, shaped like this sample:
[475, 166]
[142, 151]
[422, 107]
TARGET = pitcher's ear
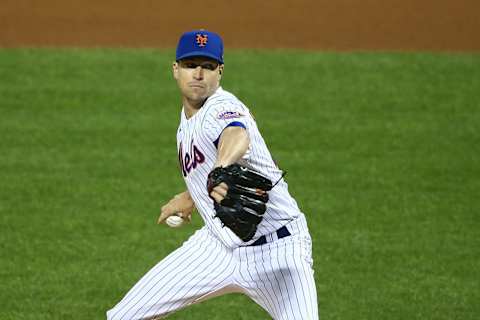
[175, 69]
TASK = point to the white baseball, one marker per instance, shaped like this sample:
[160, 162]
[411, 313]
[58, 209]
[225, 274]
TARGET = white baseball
[175, 221]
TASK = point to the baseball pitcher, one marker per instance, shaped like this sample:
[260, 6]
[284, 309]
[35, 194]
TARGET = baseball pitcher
[255, 240]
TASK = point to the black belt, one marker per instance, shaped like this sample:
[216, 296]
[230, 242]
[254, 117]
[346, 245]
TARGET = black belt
[281, 233]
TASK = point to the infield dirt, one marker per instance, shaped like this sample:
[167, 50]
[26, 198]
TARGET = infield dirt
[444, 25]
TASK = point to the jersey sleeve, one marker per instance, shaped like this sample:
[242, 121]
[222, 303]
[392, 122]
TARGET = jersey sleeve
[226, 114]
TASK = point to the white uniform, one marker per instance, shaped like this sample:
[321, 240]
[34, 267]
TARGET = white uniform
[278, 274]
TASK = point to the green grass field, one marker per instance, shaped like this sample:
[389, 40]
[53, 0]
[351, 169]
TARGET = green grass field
[382, 153]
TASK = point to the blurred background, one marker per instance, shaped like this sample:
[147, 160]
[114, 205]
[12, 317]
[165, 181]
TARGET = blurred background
[373, 108]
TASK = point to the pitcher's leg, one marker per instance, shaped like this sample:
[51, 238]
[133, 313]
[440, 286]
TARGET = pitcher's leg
[279, 277]
[200, 267]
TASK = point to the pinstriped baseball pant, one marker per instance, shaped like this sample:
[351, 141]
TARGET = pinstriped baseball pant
[277, 275]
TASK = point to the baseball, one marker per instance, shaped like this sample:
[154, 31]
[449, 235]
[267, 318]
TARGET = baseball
[175, 221]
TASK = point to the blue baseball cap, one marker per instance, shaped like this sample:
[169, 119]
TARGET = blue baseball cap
[200, 43]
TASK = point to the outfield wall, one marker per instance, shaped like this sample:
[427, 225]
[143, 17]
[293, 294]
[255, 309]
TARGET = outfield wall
[451, 25]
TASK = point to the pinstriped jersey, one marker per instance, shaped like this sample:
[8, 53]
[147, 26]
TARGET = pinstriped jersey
[197, 139]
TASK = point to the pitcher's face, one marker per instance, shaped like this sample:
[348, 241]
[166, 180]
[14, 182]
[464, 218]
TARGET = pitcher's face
[197, 77]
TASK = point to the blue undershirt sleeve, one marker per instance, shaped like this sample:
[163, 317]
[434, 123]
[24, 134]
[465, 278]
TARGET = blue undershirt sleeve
[231, 124]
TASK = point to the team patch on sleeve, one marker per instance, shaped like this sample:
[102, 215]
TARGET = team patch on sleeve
[225, 115]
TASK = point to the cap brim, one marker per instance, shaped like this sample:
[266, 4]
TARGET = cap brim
[199, 54]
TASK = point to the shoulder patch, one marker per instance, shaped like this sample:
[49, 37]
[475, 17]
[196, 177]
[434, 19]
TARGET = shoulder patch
[225, 115]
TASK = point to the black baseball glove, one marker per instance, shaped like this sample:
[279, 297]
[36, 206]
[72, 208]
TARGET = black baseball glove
[243, 207]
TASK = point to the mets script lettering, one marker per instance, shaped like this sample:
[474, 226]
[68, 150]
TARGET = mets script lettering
[189, 160]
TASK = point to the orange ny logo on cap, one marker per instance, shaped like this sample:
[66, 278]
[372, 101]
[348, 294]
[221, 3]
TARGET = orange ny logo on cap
[202, 39]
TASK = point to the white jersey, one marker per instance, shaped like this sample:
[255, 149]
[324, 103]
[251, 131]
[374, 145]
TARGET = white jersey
[277, 274]
[197, 140]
